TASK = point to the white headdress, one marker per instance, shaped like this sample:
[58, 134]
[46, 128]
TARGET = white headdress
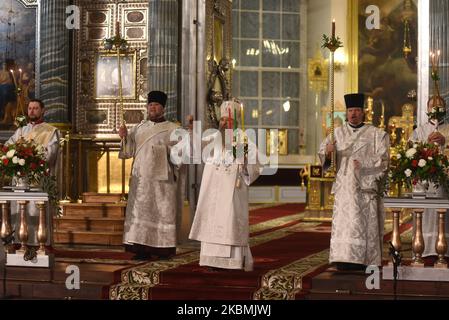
[227, 106]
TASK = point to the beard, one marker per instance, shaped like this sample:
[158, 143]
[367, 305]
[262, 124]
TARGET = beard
[33, 118]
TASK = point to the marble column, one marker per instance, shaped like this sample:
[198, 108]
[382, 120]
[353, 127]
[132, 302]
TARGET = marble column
[54, 60]
[163, 53]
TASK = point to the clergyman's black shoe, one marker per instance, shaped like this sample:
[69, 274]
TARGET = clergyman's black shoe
[346, 266]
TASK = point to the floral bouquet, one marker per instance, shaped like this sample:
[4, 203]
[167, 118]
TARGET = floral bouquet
[419, 162]
[20, 121]
[438, 111]
[24, 159]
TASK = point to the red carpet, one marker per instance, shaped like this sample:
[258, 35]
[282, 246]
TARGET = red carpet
[200, 283]
[265, 214]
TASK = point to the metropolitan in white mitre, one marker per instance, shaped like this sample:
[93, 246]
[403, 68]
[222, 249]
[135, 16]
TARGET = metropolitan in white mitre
[47, 136]
[221, 218]
[432, 132]
[155, 193]
[358, 215]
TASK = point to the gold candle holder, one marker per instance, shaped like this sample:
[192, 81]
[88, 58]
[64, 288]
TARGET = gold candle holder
[23, 229]
[80, 170]
[42, 233]
[418, 240]
[67, 169]
[441, 244]
[6, 228]
[332, 43]
[396, 234]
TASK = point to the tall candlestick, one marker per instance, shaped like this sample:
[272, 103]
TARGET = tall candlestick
[242, 116]
[333, 28]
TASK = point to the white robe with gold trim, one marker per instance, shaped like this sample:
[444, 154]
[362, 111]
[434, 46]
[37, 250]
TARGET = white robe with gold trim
[221, 218]
[155, 193]
[358, 215]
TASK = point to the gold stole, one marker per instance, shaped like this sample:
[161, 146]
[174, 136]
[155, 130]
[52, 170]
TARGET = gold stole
[41, 134]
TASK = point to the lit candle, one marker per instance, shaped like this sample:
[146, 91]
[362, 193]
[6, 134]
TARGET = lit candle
[333, 28]
[13, 77]
[243, 116]
[21, 78]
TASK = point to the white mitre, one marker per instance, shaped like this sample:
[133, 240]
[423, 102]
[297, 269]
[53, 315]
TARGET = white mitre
[229, 105]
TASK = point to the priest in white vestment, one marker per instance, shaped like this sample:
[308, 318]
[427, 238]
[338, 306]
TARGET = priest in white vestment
[358, 214]
[155, 193]
[48, 136]
[432, 132]
[221, 220]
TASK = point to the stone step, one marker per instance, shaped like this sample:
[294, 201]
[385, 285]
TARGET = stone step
[88, 224]
[93, 197]
[94, 210]
[89, 237]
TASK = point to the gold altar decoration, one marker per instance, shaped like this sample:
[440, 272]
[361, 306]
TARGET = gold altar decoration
[369, 112]
[279, 143]
[320, 201]
[318, 74]
[218, 57]
[436, 105]
[404, 122]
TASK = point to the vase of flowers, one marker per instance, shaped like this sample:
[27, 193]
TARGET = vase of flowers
[24, 162]
[20, 182]
[421, 167]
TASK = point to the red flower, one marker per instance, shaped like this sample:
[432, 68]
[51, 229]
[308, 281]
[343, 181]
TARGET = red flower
[33, 166]
[433, 169]
[5, 149]
[414, 163]
[5, 161]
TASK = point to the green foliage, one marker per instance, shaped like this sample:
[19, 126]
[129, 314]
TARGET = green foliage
[332, 43]
[417, 162]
